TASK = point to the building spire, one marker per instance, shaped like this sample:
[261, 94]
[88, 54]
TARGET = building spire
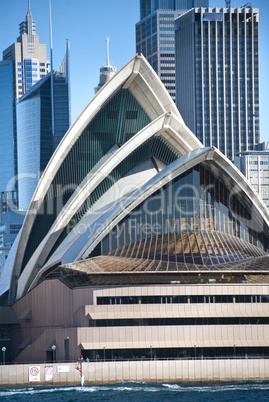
[29, 19]
[28, 25]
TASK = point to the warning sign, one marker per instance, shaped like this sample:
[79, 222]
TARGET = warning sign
[34, 373]
[48, 373]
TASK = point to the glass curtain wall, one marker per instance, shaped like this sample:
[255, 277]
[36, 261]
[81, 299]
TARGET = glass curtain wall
[8, 149]
[196, 219]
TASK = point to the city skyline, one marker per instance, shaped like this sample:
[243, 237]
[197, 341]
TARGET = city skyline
[78, 23]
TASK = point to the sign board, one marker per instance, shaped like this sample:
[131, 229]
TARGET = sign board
[34, 373]
[48, 373]
[63, 369]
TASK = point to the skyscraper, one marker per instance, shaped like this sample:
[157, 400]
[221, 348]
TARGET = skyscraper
[28, 55]
[217, 76]
[254, 164]
[155, 35]
[24, 63]
[36, 138]
[8, 147]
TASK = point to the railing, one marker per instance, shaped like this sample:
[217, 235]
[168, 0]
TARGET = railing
[135, 359]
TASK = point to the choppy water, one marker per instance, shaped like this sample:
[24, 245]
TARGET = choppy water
[254, 391]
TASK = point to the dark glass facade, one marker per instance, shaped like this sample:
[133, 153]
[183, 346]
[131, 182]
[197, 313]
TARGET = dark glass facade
[106, 301]
[125, 322]
[197, 353]
[62, 115]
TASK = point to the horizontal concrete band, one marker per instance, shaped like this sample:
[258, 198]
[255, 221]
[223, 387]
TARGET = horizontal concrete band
[149, 371]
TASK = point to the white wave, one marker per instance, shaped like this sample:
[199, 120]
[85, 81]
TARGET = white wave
[216, 387]
[49, 389]
[135, 387]
[175, 387]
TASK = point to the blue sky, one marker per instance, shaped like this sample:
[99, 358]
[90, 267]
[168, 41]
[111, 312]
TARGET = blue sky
[87, 23]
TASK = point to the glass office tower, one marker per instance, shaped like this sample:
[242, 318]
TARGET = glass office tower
[24, 63]
[155, 35]
[7, 138]
[36, 141]
[217, 76]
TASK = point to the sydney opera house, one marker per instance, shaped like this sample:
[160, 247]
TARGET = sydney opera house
[139, 242]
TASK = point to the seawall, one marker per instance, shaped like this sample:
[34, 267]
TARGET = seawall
[148, 371]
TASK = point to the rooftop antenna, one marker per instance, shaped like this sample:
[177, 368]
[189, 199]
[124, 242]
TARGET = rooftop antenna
[228, 3]
[51, 79]
[107, 71]
[107, 51]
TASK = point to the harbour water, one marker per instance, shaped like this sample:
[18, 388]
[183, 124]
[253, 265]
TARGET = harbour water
[247, 391]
